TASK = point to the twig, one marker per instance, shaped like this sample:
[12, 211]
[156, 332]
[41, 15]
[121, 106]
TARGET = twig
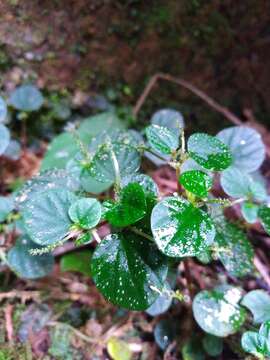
[23, 295]
[262, 270]
[76, 332]
[9, 324]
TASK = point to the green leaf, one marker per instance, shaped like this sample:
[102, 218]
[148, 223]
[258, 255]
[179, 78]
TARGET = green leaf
[91, 185]
[78, 261]
[246, 146]
[180, 229]
[4, 138]
[197, 182]
[250, 212]
[238, 184]
[162, 139]
[102, 166]
[251, 343]
[46, 216]
[213, 345]
[191, 164]
[26, 98]
[3, 110]
[29, 266]
[237, 255]
[13, 151]
[264, 216]
[209, 152]
[130, 208]
[258, 302]
[118, 349]
[85, 212]
[193, 350]
[217, 311]
[127, 269]
[162, 303]
[6, 206]
[170, 119]
[164, 333]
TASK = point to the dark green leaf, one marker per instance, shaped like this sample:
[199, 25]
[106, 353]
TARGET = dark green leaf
[130, 207]
[79, 261]
[264, 216]
[246, 146]
[258, 302]
[26, 98]
[128, 270]
[217, 311]
[180, 229]
[212, 345]
[4, 138]
[236, 251]
[162, 303]
[193, 350]
[29, 266]
[162, 139]
[85, 212]
[197, 182]
[46, 216]
[209, 152]
[164, 333]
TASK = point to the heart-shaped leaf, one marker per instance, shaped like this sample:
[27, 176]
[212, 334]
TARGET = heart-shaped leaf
[264, 216]
[85, 212]
[29, 266]
[130, 208]
[209, 152]
[128, 270]
[217, 311]
[237, 253]
[246, 146]
[180, 229]
[258, 302]
[26, 98]
[3, 110]
[170, 119]
[162, 139]
[197, 182]
[46, 216]
[250, 211]
[102, 167]
[4, 138]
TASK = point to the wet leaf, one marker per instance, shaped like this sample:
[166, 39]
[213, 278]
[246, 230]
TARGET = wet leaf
[4, 138]
[251, 343]
[197, 182]
[26, 98]
[209, 152]
[78, 261]
[85, 212]
[250, 212]
[162, 303]
[127, 268]
[91, 185]
[258, 302]
[46, 216]
[217, 311]
[264, 216]
[118, 349]
[237, 253]
[29, 266]
[130, 207]
[3, 110]
[162, 139]
[170, 119]
[246, 146]
[180, 229]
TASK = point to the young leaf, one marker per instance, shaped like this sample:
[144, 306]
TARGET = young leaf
[3, 110]
[85, 212]
[250, 212]
[29, 266]
[130, 208]
[264, 216]
[217, 311]
[77, 261]
[237, 256]
[127, 269]
[162, 139]
[46, 216]
[213, 345]
[197, 182]
[209, 152]
[258, 302]
[118, 349]
[246, 146]
[4, 138]
[102, 166]
[26, 98]
[180, 229]
[251, 343]
[170, 119]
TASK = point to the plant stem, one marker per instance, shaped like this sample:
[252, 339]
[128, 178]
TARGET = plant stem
[117, 184]
[96, 236]
[141, 233]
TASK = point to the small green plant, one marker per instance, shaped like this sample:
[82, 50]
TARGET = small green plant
[91, 176]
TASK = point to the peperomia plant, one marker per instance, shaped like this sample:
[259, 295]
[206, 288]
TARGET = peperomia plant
[92, 177]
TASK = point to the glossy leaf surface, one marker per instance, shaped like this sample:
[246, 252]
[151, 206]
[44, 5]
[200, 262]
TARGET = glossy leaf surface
[250, 212]
[197, 182]
[85, 212]
[26, 98]
[170, 119]
[126, 268]
[162, 139]
[258, 302]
